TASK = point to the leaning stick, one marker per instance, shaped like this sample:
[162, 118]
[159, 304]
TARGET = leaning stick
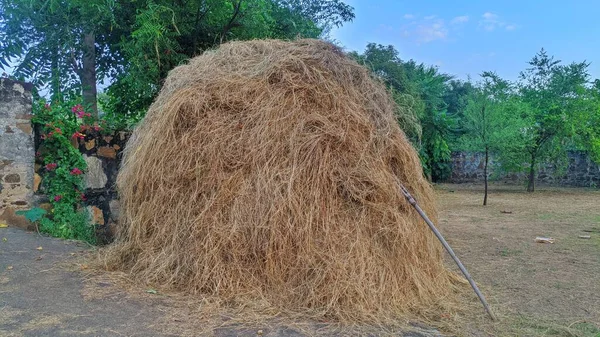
[413, 202]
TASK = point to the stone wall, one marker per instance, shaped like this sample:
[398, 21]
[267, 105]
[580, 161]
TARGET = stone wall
[16, 147]
[102, 154]
[581, 171]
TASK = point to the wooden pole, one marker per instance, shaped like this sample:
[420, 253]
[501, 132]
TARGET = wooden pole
[413, 202]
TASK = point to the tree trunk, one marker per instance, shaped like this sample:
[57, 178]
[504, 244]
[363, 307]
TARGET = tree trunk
[531, 180]
[55, 81]
[88, 74]
[485, 176]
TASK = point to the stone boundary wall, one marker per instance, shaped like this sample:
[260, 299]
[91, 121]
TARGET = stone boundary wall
[102, 154]
[467, 167]
[16, 148]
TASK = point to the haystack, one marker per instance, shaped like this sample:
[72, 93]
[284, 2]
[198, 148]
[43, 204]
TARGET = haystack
[269, 170]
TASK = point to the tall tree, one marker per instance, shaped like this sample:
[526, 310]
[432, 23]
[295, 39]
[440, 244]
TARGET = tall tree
[489, 122]
[386, 65]
[438, 125]
[166, 33]
[549, 90]
[74, 44]
[62, 43]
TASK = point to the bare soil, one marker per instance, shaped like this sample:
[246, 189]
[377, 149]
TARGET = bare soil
[539, 289]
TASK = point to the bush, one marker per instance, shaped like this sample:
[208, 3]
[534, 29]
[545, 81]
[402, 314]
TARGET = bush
[61, 125]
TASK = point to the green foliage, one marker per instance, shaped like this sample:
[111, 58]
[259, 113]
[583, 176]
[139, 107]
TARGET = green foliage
[386, 65]
[438, 125]
[419, 91]
[63, 168]
[550, 95]
[44, 38]
[489, 119]
[164, 34]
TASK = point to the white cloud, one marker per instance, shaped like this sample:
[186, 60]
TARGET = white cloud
[409, 16]
[460, 19]
[431, 31]
[429, 17]
[491, 21]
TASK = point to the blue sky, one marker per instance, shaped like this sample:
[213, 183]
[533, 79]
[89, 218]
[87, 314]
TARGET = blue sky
[466, 37]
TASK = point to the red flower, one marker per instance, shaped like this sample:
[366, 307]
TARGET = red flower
[78, 110]
[51, 166]
[47, 107]
[78, 135]
[37, 154]
[96, 128]
[58, 130]
[57, 198]
[76, 171]
[83, 197]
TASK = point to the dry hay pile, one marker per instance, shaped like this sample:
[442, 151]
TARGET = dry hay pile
[269, 170]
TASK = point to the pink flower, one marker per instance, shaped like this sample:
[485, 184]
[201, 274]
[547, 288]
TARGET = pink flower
[78, 135]
[51, 166]
[78, 110]
[47, 106]
[57, 198]
[96, 128]
[76, 171]
[83, 197]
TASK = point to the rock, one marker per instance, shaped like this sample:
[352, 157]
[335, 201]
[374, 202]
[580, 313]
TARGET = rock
[46, 206]
[94, 176]
[75, 142]
[116, 147]
[25, 127]
[12, 178]
[37, 180]
[90, 144]
[96, 216]
[107, 152]
[108, 139]
[4, 163]
[115, 209]
[13, 219]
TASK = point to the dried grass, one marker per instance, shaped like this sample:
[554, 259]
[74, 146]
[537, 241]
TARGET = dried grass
[268, 171]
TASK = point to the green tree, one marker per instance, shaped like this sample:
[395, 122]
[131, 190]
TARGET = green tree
[587, 132]
[67, 44]
[489, 122]
[165, 33]
[437, 124]
[550, 93]
[73, 44]
[386, 65]
[419, 93]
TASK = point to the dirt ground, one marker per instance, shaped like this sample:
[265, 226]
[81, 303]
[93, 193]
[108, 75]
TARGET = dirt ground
[537, 289]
